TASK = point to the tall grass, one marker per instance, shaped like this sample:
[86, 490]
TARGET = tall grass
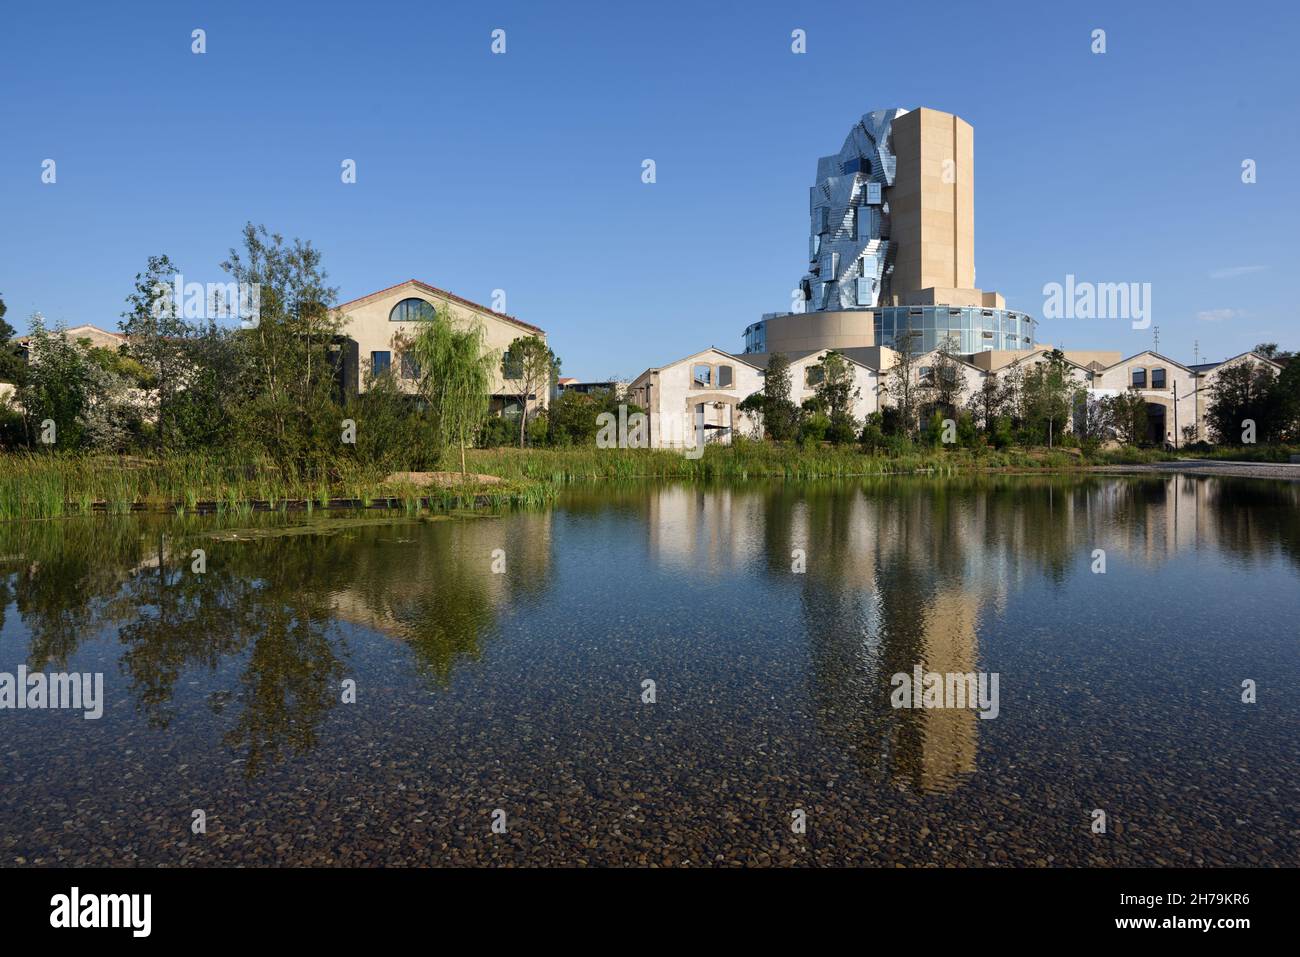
[36, 485]
[46, 485]
[745, 460]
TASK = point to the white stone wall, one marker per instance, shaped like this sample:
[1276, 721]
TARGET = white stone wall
[674, 396]
[865, 382]
[1178, 395]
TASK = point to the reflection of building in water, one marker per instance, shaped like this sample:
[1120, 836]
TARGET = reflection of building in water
[705, 530]
[1163, 515]
[899, 575]
[896, 577]
[934, 747]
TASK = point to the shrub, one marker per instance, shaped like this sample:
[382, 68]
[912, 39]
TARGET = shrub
[814, 427]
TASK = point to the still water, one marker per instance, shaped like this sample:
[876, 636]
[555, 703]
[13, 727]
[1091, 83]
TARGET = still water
[500, 663]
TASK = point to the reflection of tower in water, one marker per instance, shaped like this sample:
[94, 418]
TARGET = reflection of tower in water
[900, 581]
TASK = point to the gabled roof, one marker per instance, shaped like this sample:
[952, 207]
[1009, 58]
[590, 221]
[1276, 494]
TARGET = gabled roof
[435, 291]
[1039, 352]
[696, 355]
[956, 359]
[820, 353]
[76, 332]
[1207, 366]
[1148, 352]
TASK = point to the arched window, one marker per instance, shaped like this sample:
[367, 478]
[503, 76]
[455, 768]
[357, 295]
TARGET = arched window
[411, 310]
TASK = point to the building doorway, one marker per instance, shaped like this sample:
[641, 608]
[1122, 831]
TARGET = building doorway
[1157, 433]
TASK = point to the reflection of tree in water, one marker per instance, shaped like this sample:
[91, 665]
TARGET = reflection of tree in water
[1250, 518]
[438, 593]
[268, 599]
[63, 577]
[273, 599]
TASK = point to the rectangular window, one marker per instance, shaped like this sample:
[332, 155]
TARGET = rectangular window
[1139, 378]
[380, 362]
[511, 368]
[701, 376]
[410, 368]
[1157, 378]
[724, 377]
[813, 376]
[873, 194]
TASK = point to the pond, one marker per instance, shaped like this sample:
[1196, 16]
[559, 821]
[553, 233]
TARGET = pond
[668, 674]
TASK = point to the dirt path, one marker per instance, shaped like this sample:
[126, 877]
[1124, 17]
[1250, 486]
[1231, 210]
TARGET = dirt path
[1264, 470]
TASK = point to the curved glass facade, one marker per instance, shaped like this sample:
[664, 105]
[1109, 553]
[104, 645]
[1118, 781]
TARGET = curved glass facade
[973, 329]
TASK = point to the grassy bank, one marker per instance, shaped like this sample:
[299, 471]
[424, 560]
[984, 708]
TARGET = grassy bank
[746, 460]
[1244, 453]
[50, 485]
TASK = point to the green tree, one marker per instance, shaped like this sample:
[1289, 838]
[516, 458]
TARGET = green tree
[1048, 396]
[836, 394]
[58, 386]
[947, 377]
[1287, 401]
[201, 413]
[989, 402]
[1244, 391]
[1093, 421]
[532, 368]
[1127, 413]
[156, 337]
[286, 401]
[905, 387]
[456, 370]
[13, 367]
[780, 414]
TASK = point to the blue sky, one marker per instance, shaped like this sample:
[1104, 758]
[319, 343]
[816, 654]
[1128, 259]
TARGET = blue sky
[522, 171]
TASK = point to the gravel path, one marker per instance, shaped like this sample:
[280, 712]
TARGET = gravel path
[1263, 470]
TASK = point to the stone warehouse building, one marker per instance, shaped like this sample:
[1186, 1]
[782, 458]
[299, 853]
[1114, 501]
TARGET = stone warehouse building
[713, 383]
[375, 327]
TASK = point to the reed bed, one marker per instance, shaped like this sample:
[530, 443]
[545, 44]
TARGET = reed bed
[35, 486]
[48, 485]
[755, 460]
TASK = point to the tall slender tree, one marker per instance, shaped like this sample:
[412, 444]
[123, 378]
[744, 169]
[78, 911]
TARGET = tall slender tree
[156, 335]
[907, 390]
[532, 367]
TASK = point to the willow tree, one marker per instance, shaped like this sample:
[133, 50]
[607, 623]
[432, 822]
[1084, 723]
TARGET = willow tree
[456, 370]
